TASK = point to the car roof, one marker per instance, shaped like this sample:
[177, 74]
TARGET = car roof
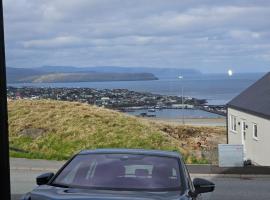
[133, 151]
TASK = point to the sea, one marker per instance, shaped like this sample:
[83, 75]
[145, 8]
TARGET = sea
[217, 89]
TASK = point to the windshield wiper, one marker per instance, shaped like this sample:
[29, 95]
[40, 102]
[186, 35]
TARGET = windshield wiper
[60, 185]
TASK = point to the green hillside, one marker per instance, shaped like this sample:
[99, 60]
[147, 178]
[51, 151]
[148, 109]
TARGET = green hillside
[56, 130]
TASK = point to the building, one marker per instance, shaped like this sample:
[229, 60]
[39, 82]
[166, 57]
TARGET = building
[249, 121]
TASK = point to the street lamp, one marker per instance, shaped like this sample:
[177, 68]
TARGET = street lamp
[180, 77]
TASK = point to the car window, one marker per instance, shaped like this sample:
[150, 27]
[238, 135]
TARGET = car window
[122, 171]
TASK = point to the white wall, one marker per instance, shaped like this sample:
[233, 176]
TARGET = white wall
[256, 150]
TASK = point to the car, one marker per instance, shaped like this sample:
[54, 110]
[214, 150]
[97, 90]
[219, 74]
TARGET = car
[121, 174]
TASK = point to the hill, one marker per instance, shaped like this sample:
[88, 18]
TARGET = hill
[56, 130]
[39, 75]
[92, 77]
[101, 73]
[164, 72]
[16, 74]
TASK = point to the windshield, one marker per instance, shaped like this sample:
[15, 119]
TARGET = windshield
[121, 171]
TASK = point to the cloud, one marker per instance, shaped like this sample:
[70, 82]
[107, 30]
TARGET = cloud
[62, 41]
[206, 34]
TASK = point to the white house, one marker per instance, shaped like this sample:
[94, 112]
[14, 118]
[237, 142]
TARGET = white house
[249, 121]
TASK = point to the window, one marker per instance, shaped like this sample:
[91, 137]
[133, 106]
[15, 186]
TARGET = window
[233, 123]
[255, 131]
[121, 171]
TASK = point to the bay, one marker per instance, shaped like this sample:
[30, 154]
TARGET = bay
[217, 89]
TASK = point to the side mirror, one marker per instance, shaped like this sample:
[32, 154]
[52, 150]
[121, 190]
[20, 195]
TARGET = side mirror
[203, 186]
[44, 178]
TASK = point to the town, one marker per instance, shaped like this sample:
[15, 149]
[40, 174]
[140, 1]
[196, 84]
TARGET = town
[118, 99]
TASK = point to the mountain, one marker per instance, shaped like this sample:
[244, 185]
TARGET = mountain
[15, 74]
[70, 74]
[64, 69]
[91, 77]
[89, 74]
[158, 72]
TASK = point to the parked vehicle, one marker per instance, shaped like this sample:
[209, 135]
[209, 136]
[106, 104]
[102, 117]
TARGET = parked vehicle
[121, 174]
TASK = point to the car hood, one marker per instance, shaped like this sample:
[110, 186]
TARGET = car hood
[54, 193]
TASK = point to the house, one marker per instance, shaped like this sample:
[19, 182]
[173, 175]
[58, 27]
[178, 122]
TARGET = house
[186, 106]
[249, 121]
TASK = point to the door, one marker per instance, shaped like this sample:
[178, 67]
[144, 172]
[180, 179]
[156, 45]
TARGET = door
[243, 135]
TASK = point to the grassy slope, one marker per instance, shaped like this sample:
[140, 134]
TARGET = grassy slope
[68, 127]
[57, 130]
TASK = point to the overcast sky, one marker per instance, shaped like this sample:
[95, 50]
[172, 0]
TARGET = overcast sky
[211, 36]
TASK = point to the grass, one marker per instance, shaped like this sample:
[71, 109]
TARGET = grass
[56, 130]
[70, 127]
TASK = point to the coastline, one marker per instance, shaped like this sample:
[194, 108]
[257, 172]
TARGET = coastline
[213, 122]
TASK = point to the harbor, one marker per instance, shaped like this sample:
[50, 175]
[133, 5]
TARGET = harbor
[140, 104]
[173, 113]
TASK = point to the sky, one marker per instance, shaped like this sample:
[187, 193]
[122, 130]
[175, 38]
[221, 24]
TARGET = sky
[208, 35]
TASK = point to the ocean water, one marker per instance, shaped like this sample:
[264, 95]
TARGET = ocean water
[217, 89]
[177, 114]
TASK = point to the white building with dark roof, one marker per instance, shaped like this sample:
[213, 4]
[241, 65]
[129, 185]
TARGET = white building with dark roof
[249, 121]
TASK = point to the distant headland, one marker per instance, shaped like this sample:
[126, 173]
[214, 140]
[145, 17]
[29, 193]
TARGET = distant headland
[65, 74]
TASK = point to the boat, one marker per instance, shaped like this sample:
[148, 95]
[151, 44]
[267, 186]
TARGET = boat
[145, 115]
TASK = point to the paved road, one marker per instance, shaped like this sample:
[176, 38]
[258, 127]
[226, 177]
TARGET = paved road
[241, 189]
[23, 180]
[226, 188]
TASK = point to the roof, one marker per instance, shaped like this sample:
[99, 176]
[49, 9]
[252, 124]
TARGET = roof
[255, 99]
[133, 151]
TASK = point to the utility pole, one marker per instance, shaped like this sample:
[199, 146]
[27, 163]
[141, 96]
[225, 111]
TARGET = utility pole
[4, 142]
[183, 116]
[182, 98]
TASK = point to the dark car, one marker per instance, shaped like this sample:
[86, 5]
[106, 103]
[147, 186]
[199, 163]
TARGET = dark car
[121, 174]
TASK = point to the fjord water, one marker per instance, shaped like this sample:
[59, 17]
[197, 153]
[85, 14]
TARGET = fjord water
[217, 89]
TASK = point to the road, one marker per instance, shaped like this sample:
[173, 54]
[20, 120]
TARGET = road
[23, 180]
[240, 189]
